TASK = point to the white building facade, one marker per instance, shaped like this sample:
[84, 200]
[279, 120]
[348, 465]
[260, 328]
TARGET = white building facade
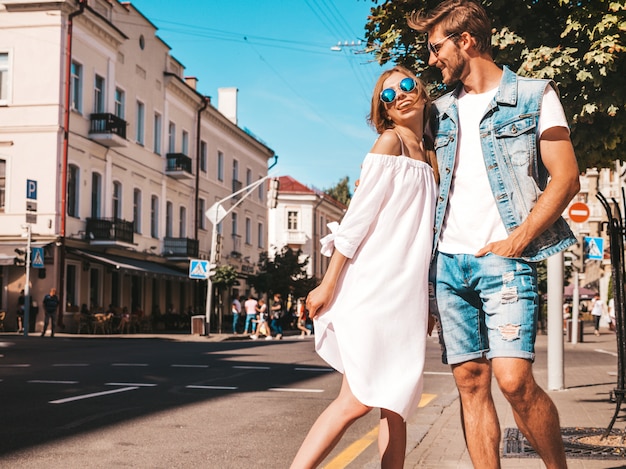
[300, 220]
[126, 156]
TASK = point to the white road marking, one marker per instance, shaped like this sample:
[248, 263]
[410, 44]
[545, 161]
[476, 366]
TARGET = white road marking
[248, 367]
[129, 364]
[71, 364]
[95, 394]
[295, 390]
[139, 385]
[439, 373]
[599, 350]
[189, 366]
[44, 381]
[314, 369]
[17, 365]
[193, 386]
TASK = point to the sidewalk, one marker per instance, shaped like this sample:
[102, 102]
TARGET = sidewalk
[590, 370]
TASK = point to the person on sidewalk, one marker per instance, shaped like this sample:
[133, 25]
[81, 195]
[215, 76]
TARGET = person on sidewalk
[250, 305]
[597, 311]
[380, 262]
[235, 309]
[50, 305]
[499, 138]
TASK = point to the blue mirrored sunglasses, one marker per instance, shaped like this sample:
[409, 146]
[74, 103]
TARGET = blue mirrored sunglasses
[388, 95]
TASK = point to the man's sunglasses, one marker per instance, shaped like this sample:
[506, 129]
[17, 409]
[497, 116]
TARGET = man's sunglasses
[434, 48]
[388, 95]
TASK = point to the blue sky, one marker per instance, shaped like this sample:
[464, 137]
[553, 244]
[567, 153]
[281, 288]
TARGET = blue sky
[305, 101]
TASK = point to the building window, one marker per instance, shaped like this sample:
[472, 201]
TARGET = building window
[98, 94]
[73, 175]
[171, 138]
[77, 87]
[140, 122]
[117, 199]
[4, 77]
[3, 182]
[235, 171]
[292, 220]
[157, 133]
[203, 156]
[70, 285]
[201, 216]
[168, 219]
[182, 222]
[233, 224]
[248, 178]
[248, 231]
[261, 235]
[137, 210]
[220, 166]
[185, 143]
[154, 217]
[96, 195]
[120, 103]
[262, 188]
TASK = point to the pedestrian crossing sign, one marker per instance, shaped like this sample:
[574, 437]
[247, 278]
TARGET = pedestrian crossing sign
[36, 258]
[198, 269]
[593, 248]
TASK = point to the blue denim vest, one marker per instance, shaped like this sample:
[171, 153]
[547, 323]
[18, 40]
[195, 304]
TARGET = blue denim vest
[508, 135]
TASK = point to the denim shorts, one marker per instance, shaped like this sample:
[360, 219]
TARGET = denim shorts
[487, 306]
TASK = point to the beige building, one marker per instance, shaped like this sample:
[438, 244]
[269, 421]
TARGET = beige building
[300, 220]
[117, 156]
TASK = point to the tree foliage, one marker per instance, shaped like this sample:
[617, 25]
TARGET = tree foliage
[284, 273]
[578, 43]
[225, 276]
[341, 191]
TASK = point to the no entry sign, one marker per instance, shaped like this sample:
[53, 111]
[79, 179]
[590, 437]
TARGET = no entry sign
[579, 212]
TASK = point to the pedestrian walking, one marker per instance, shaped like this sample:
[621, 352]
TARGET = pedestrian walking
[379, 265]
[508, 172]
[50, 306]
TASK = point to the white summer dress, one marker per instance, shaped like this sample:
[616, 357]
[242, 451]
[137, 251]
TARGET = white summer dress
[375, 329]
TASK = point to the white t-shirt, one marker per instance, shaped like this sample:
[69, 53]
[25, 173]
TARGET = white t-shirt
[472, 218]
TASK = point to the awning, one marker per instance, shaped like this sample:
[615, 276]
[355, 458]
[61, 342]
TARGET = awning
[129, 264]
[583, 293]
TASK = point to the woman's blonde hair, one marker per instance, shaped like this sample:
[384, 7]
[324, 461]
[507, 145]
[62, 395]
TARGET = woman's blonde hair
[379, 119]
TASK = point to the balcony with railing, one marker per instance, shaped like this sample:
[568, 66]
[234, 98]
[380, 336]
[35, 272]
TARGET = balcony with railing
[296, 237]
[178, 166]
[109, 231]
[180, 248]
[108, 129]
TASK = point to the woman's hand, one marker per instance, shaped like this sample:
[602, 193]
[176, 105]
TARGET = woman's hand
[318, 299]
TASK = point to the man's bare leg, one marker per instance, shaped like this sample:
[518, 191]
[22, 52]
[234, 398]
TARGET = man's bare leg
[478, 413]
[535, 413]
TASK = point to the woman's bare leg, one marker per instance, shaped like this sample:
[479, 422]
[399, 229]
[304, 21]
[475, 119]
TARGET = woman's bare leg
[329, 428]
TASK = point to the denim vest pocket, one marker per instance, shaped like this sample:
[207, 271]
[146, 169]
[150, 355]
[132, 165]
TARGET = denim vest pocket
[516, 140]
[443, 140]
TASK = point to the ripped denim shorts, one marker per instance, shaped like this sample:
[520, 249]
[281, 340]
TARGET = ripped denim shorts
[487, 306]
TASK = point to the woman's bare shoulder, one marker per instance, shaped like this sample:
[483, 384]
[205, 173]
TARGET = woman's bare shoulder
[388, 143]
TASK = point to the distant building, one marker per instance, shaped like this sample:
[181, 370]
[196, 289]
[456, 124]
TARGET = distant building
[121, 196]
[300, 220]
[609, 182]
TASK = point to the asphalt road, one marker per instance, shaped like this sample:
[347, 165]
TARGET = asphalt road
[161, 403]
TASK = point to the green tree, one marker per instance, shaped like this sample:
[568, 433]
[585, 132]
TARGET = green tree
[225, 276]
[341, 191]
[580, 44]
[284, 273]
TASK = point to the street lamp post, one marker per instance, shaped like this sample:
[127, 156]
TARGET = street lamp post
[216, 213]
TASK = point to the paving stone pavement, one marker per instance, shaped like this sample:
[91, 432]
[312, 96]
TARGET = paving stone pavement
[590, 374]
